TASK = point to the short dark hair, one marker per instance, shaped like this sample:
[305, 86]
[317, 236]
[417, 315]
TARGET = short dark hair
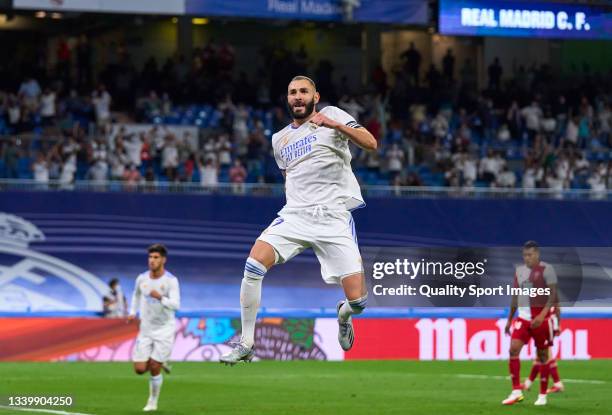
[158, 248]
[304, 78]
[113, 282]
[531, 244]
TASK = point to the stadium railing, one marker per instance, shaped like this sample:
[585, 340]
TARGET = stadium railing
[267, 189]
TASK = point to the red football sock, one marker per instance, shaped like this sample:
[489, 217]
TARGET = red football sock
[543, 378]
[535, 369]
[515, 372]
[552, 369]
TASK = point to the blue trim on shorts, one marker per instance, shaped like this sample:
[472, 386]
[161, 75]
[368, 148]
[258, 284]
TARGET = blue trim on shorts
[353, 231]
[362, 205]
[276, 221]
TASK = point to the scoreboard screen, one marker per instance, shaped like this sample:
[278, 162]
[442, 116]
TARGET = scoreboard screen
[524, 19]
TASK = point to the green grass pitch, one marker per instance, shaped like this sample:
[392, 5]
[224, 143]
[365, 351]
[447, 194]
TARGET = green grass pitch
[308, 387]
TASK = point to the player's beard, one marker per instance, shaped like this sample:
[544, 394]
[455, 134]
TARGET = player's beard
[308, 110]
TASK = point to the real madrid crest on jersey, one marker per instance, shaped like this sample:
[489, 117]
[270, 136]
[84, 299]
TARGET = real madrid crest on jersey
[29, 279]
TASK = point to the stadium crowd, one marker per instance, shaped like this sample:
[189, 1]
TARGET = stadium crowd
[531, 129]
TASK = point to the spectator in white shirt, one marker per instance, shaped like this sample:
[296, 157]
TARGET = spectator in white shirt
[47, 107]
[210, 150]
[439, 125]
[118, 161]
[189, 141]
[468, 169]
[224, 149]
[548, 123]
[66, 178]
[102, 103]
[98, 150]
[601, 169]
[532, 115]
[69, 151]
[209, 174]
[395, 160]
[571, 131]
[98, 172]
[532, 176]
[133, 148]
[14, 113]
[40, 168]
[555, 182]
[240, 128]
[170, 158]
[562, 168]
[503, 135]
[598, 185]
[506, 178]
[490, 167]
[157, 136]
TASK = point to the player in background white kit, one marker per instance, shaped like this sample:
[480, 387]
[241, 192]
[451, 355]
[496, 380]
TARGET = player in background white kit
[321, 190]
[157, 297]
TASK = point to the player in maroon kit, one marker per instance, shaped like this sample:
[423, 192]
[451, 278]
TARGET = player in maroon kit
[533, 321]
[552, 363]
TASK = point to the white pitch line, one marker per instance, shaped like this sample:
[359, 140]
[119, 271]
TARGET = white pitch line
[568, 380]
[46, 411]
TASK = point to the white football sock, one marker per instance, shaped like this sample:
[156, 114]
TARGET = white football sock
[155, 384]
[250, 297]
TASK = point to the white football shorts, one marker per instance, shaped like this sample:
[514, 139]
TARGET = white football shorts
[330, 233]
[158, 348]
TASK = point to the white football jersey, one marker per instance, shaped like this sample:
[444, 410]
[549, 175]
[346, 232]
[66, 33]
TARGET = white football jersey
[317, 164]
[156, 316]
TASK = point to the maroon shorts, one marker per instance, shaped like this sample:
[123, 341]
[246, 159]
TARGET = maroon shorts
[542, 336]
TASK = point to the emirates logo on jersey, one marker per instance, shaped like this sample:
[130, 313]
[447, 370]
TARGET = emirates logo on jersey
[298, 149]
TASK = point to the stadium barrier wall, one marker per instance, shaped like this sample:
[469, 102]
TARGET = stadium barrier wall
[58, 250]
[279, 338]
[435, 221]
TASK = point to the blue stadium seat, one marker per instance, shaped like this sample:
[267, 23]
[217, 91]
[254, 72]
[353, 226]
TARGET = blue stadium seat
[24, 167]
